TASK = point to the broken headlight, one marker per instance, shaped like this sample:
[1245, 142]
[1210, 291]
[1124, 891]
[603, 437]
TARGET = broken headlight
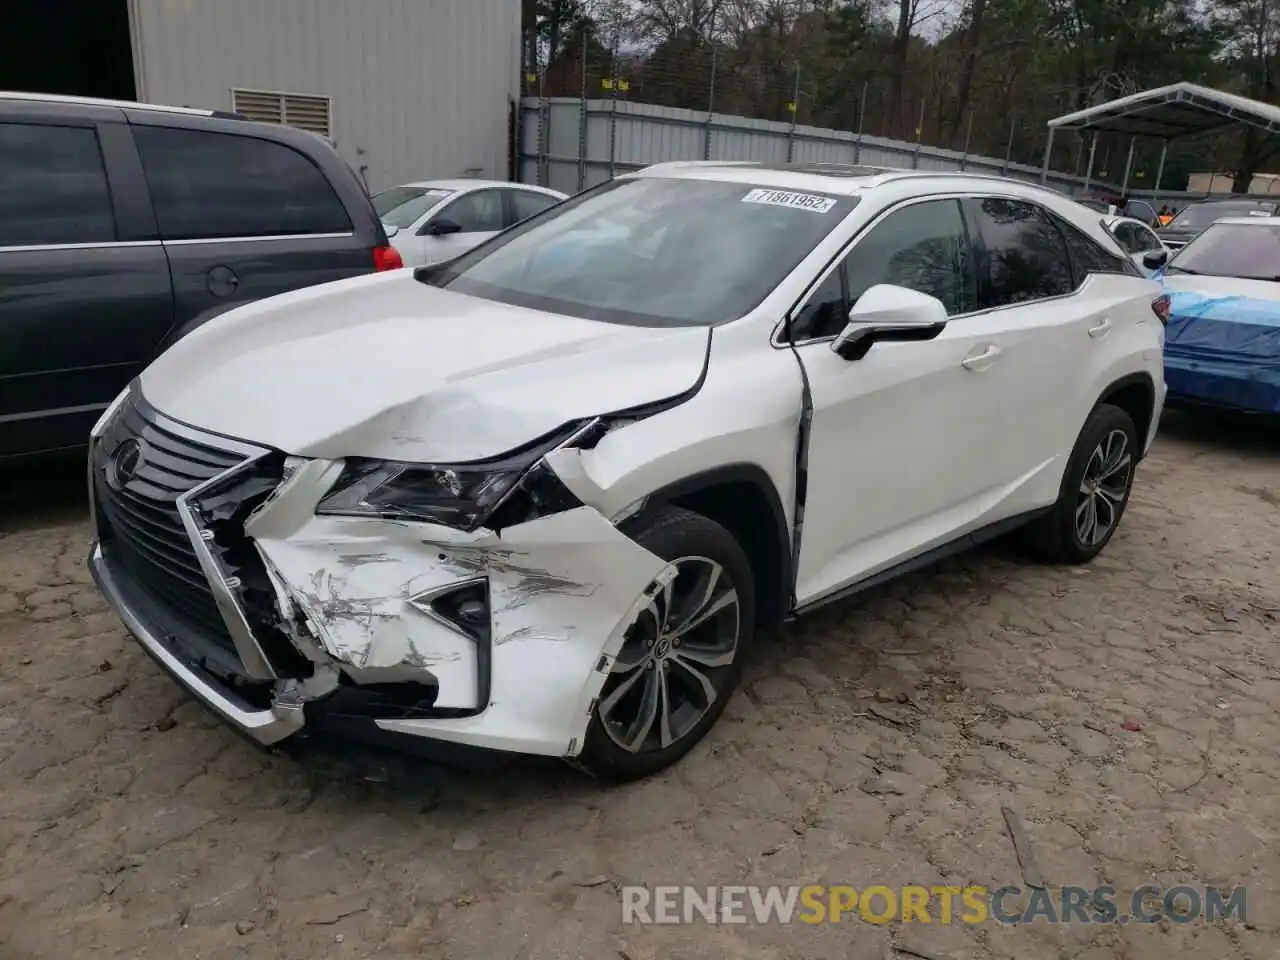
[498, 493]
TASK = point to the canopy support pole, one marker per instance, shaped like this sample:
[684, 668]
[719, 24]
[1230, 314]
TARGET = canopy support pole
[1164, 150]
[1128, 167]
[1048, 153]
[1088, 171]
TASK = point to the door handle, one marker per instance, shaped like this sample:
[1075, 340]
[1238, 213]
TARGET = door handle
[1102, 328]
[980, 361]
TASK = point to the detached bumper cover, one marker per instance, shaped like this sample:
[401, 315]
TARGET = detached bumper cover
[1224, 351]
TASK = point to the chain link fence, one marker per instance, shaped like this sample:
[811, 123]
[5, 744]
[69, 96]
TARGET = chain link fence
[597, 109]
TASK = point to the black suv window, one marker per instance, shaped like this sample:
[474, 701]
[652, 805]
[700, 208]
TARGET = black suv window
[1024, 253]
[207, 185]
[53, 186]
[922, 246]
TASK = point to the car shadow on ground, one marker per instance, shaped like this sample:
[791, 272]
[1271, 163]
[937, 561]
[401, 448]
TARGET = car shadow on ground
[1246, 433]
[48, 493]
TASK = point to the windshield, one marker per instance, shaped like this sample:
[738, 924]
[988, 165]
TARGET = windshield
[1232, 250]
[403, 206]
[1097, 205]
[1200, 215]
[652, 252]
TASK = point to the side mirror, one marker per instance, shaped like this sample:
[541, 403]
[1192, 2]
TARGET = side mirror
[1155, 259]
[886, 313]
[440, 228]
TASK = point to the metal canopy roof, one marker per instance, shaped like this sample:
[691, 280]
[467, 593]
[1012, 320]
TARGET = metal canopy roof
[1167, 113]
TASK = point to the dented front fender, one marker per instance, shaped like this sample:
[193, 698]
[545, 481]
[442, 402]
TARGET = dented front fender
[561, 592]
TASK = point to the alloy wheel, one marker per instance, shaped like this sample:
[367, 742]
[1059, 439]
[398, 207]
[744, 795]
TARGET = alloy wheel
[665, 677]
[1103, 488]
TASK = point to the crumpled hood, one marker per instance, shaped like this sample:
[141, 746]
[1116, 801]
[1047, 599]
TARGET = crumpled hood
[383, 366]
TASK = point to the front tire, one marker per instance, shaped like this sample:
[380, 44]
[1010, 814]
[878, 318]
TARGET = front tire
[682, 658]
[1095, 490]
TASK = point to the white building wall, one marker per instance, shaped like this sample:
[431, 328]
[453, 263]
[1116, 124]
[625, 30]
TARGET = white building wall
[419, 88]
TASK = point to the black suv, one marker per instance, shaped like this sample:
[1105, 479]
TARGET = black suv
[123, 226]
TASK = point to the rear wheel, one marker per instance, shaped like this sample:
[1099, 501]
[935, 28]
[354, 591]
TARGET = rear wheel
[1095, 490]
[682, 657]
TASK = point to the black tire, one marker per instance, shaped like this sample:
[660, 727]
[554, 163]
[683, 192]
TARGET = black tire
[1056, 536]
[673, 533]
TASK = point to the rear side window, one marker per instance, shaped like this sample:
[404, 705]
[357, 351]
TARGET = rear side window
[526, 203]
[1124, 235]
[1088, 256]
[1024, 255]
[53, 186]
[476, 212]
[207, 185]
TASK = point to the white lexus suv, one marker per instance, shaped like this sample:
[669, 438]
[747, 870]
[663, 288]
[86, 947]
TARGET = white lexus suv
[540, 498]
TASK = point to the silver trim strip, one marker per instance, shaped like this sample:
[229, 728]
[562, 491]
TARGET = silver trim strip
[265, 726]
[281, 236]
[55, 412]
[127, 244]
[107, 245]
[101, 102]
[251, 654]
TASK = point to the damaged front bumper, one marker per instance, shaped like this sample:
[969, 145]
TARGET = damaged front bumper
[500, 642]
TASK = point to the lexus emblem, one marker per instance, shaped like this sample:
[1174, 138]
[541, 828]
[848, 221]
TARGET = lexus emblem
[124, 463]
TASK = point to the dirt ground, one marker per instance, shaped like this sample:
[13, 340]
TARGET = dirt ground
[873, 744]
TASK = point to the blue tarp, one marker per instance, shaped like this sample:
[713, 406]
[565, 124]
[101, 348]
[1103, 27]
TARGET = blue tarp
[1224, 350]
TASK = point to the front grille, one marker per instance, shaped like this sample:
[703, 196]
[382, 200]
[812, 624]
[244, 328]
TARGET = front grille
[139, 522]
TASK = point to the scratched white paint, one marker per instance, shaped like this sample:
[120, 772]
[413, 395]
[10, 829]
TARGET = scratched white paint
[562, 590]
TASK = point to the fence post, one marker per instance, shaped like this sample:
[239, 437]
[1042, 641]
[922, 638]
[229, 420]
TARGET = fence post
[1164, 149]
[544, 128]
[915, 157]
[795, 112]
[862, 114]
[968, 136]
[1128, 168]
[583, 119]
[1008, 147]
[711, 105]
[1088, 170]
[613, 110]
[1048, 157]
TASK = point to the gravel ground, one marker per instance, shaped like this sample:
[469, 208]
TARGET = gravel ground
[874, 743]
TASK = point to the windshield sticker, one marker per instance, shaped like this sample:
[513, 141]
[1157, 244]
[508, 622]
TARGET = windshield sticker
[1259, 213]
[785, 198]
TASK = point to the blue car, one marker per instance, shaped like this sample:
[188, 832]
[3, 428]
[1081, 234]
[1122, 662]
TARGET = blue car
[1222, 344]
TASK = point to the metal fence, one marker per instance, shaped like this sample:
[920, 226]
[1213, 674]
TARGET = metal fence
[569, 144]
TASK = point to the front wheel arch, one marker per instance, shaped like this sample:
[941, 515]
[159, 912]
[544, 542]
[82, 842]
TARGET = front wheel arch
[743, 499]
